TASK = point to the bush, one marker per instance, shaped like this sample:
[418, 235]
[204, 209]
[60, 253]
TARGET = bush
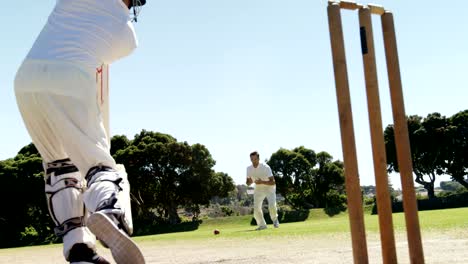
[444, 202]
[336, 203]
[369, 200]
[216, 210]
[227, 211]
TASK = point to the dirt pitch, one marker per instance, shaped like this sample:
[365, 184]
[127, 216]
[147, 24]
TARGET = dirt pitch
[439, 247]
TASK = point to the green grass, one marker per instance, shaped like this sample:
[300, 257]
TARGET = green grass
[318, 223]
[19, 249]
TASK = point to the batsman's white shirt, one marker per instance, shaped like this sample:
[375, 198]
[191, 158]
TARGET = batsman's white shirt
[87, 32]
[262, 172]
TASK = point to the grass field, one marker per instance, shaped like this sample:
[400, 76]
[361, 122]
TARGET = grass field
[318, 223]
[319, 239]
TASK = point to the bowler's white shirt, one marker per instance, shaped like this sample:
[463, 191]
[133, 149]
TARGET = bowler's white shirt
[89, 32]
[262, 172]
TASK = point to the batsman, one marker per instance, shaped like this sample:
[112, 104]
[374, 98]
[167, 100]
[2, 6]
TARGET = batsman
[55, 88]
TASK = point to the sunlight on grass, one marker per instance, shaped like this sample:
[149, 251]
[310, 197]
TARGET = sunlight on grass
[318, 223]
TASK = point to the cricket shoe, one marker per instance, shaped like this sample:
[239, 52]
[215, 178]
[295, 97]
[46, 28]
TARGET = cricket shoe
[276, 223]
[123, 249]
[261, 228]
[80, 253]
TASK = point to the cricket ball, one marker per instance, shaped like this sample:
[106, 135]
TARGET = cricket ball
[216, 232]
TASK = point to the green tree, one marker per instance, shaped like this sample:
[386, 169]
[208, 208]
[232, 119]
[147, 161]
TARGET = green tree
[368, 189]
[119, 142]
[328, 176]
[291, 170]
[305, 178]
[451, 186]
[457, 157]
[428, 138]
[166, 174]
[439, 146]
[24, 219]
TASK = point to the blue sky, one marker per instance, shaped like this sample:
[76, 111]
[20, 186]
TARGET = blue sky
[243, 75]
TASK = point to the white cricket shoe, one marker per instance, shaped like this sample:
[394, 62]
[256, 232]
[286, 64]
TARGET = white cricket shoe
[123, 249]
[261, 228]
[276, 223]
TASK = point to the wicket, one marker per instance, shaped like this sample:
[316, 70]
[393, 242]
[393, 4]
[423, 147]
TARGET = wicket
[353, 190]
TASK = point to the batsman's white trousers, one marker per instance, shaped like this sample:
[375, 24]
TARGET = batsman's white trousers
[261, 192]
[58, 103]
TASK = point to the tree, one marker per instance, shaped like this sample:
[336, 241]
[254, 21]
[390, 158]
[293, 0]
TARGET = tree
[457, 157]
[165, 174]
[328, 176]
[118, 142]
[24, 218]
[368, 190]
[305, 178]
[291, 169]
[428, 139]
[439, 146]
[450, 186]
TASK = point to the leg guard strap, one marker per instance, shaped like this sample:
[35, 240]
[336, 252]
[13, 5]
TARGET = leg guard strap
[68, 225]
[95, 175]
[64, 188]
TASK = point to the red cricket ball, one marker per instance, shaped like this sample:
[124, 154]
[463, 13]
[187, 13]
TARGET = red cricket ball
[216, 232]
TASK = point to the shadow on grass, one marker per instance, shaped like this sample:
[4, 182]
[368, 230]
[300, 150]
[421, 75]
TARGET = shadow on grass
[246, 231]
[286, 217]
[155, 229]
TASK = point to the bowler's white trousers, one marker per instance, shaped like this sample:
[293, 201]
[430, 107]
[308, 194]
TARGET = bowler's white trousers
[261, 192]
[59, 106]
